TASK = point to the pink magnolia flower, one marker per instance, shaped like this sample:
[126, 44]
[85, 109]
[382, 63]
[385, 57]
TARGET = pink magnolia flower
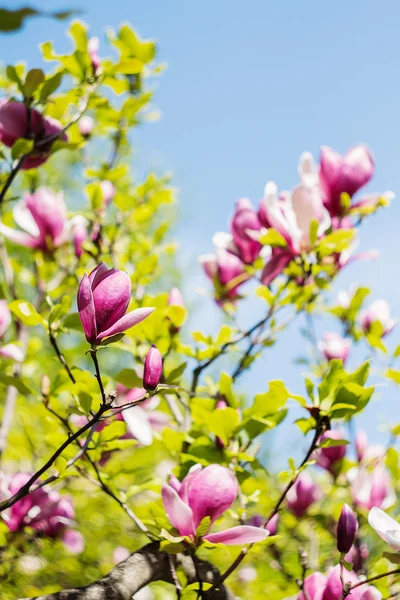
[226, 270]
[335, 346]
[361, 444]
[86, 125]
[244, 223]
[14, 125]
[386, 527]
[103, 299]
[43, 217]
[344, 174]
[378, 312]
[204, 493]
[346, 529]
[45, 511]
[142, 420]
[152, 369]
[302, 495]
[108, 191]
[8, 350]
[319, 587]
[79, 229]
[93, 49]
[292, 213]
[330, 457]
[272, 525]
[371, 488]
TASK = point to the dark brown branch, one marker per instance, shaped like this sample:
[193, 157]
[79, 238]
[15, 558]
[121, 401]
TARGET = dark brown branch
[144, 566]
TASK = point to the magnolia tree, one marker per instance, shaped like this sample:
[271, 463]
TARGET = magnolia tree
[130, 460]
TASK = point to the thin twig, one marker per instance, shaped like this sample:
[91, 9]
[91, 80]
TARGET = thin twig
[61, 356]
[93, 354]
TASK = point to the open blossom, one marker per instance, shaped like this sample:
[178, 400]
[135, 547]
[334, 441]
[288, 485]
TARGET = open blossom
[344, 174]
[43, 218]
[302, 495]
[330, 457]
[45, 511]
[371, 488]
[14, 125]
[334, 346]
[245, 222]
[378, 312]
[291, 213]
[386, 527]
[103, 299]
[8, 350]
[204, 493]
[226, 270]
[320, 587]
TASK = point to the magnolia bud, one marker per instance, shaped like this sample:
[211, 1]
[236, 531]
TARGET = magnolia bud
[346, 529]
[152, 369]
[86, 125]
[175, 297]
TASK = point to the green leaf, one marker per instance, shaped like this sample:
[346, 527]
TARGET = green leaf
[177, 315]
[113, 431]
[223, 423]
[203, 527]
[273, 238]
[265, 293]
[314, 231]
[393, 557]
[393, 375]
[33, 80]
[353, 397]
[85, 401]
[73, 322]
[50, 86]
[129, 66]
[13, 76]
[226, 389]
[335, 242]
[331, 443]
[273, 400]
[21, 147]
[78, 34]
[26, 313]
[176, 373]
[129, 378]
[15, 382]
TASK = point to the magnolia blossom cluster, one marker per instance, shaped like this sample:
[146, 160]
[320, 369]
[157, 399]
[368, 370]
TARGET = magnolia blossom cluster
[17, 121]
[319, 197]
[45, 511]
[320, 587]
[43, 222]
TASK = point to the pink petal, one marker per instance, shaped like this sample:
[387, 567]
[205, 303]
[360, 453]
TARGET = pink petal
[12, 351]
[97, 274]
[126, 322]
[74, 541]
[243, 534]
[138, 424]
[179, 513]
[86, 309]
[279, 261]
[23, 239]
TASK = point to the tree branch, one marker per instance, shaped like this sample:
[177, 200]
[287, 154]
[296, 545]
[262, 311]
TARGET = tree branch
[142, 567]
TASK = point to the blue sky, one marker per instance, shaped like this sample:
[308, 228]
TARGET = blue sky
[249, 86]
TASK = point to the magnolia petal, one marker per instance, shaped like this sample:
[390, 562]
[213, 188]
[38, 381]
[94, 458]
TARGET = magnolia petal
[24, 219]
[23, 239]
[74, 541]
[12, 351]
[382, 523]
[179, 513]
[126, 322]
[243, 534]
[138, 424]
[86, 309]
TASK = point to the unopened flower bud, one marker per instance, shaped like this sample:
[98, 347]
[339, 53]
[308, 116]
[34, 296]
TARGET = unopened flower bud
[86, 125]
[346, 529]
[152, 369]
